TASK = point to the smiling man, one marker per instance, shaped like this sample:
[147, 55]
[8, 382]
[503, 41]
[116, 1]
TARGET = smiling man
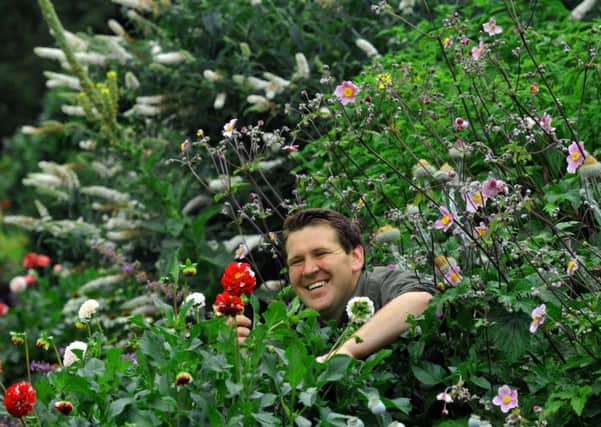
[325, 258]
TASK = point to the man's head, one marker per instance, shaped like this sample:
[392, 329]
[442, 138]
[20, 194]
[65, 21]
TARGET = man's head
[325, 257]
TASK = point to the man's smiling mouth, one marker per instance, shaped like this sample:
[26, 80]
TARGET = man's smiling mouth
[316, 285]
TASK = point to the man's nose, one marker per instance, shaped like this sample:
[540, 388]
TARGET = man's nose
[310, 267]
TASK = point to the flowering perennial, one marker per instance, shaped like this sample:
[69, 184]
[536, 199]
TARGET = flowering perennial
[227, 304]
[238, 278]
[445, 221]
[575, 156]
[506, 398]
[33, 260]
[538, 317]
[360, 309]
[491, 27]
[64, 407]
[69, 357]
[346, 92]
[88, 309]
[19, 399]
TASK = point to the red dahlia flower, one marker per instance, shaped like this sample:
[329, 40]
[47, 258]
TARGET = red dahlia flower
[238, 278]
[227, 304]
[30, 260]
[33, 260]
[43, 261]
[19, 399]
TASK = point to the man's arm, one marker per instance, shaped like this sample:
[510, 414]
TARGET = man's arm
[385, 326]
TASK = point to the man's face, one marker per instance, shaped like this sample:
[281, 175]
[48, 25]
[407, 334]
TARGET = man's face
[323, 276]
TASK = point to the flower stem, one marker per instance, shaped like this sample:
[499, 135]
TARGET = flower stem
[27, 361]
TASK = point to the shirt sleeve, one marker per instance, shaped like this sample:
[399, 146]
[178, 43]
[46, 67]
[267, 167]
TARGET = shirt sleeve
[395, 283]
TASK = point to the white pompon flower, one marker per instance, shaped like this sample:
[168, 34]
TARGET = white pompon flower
[88, 309]
[198, 299]
[69, 357]
[18, 284]
[359, 309]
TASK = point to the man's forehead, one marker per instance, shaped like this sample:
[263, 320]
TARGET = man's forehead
[312, 237]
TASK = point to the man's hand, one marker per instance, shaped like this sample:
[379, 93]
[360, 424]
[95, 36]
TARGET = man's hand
[242, 325]
[325, 357]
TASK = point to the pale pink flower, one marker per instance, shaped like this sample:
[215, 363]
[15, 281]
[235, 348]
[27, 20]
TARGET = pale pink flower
[229, 127]
[481, 230]
[445, 397]
[444, 222]
[290, 147]
[346, 92]
[453, 274]
[447, 42]
[506, 398]
[18, 284]
[545, 123]
[529, 122]
[575, 156]
[477, 51]
[572, 267]
[491, 27]
[538, 317]
[241, 251]
[475, 200]
[492, 187]
[460, 123]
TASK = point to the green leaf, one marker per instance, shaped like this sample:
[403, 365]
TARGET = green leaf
[266, 419]
[403, 404]
[118, 406]
[308, 396]
[429, 373]
[296, 354]
[510, 333]
[335, 369]
[481, 382]
[579, 400]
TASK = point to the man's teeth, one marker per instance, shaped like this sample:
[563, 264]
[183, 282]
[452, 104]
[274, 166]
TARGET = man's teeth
[316, 285]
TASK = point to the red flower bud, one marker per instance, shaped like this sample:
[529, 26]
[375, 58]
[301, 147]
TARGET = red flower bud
[64, 407]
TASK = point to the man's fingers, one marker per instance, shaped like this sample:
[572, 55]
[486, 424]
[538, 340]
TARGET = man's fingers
[242, 320]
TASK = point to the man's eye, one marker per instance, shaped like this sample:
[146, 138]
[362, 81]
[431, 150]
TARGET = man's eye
[295, 262]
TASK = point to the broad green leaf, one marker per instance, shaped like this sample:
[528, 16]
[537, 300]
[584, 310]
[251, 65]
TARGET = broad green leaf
[118, 406]
[429, 373]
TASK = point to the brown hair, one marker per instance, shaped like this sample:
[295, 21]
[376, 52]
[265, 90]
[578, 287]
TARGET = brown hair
[347, 231]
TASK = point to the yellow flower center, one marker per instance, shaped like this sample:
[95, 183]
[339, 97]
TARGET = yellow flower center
[237, 275]
[348, 92]
[445, 219]
[575, 156]
[477, 198]
[454, 277]
[506, 399]
[482, 231]
[571, 265]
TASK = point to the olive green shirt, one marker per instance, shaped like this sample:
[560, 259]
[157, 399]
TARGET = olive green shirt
[383, 284]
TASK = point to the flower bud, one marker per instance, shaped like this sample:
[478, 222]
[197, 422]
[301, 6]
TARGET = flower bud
[183, 378]
[64, 407]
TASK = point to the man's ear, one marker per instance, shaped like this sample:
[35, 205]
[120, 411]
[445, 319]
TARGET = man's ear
[358, 255]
